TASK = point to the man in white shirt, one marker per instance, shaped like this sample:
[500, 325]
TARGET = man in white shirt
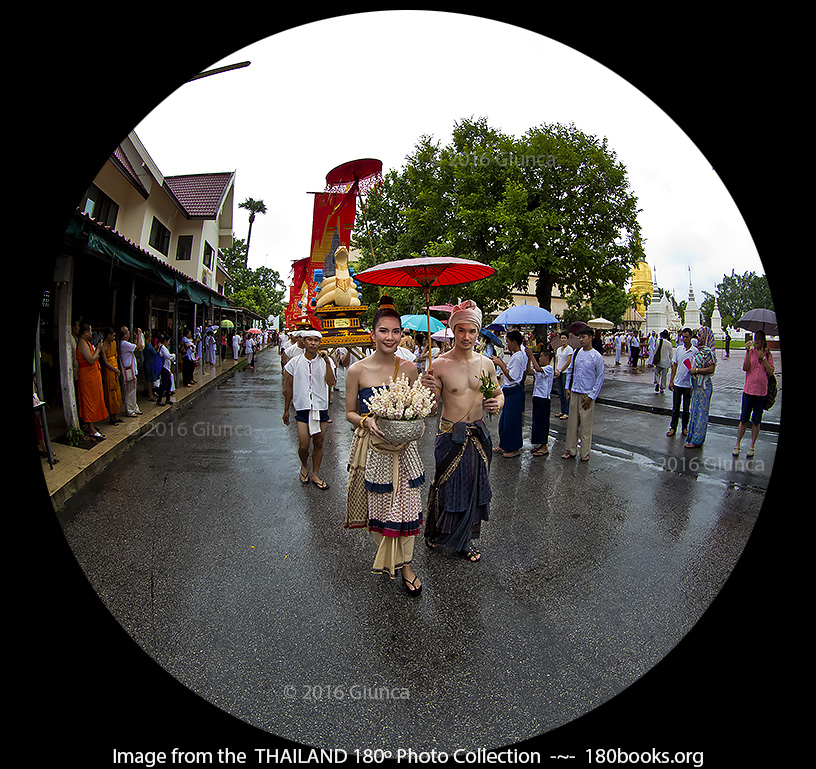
[510, 422]
[585, 377]
[307, 380]
[634, 348]
[680, 381]
[129, 368]
[295, 347]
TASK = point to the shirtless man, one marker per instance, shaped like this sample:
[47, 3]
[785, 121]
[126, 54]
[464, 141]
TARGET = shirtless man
[463, 449]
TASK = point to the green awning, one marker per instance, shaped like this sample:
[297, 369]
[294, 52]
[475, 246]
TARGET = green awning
[104, 246]
[197, 294]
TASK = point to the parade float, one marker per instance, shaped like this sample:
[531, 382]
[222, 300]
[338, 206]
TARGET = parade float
[324, 294]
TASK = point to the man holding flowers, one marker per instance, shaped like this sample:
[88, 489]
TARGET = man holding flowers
[465, 383]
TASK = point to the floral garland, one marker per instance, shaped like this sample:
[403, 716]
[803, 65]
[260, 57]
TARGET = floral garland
[399, 400]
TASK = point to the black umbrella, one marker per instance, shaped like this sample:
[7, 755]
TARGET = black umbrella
[759, 320]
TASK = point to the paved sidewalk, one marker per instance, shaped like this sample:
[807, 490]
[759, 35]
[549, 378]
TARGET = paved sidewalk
[633, 388]
[75, 466]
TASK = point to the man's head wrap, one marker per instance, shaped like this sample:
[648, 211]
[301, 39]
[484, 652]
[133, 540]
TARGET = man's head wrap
[467, 312]
[310, 333]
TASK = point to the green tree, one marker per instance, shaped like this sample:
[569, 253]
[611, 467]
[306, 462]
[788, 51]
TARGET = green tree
[253, 298]
[254, 207]
[576, 310]
[739, 293]
[554, 204]
[610, 302]
[262, 286]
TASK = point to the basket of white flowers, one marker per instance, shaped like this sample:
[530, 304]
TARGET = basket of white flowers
[401, 408]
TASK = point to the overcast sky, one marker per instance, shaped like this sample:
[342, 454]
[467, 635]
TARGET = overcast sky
[298, 111]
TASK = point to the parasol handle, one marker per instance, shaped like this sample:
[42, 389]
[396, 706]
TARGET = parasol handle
[428, 314]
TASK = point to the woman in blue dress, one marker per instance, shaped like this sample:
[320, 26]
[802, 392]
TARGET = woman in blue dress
[702, 368]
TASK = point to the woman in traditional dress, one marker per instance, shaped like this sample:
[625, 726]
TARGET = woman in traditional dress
[90, 393]
[110, 377]
[385, 479]
[702, 368]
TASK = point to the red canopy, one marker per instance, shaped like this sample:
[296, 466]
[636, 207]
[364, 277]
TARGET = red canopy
[354, 171]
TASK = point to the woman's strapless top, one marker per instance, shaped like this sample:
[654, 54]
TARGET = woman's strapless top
[363, 394]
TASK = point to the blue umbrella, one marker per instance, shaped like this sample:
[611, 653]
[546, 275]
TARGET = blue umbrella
[525, 315]
[491, 337]
[420, 323]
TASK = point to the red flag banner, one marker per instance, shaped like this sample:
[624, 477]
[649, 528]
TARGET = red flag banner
[332, 211]
[302, 277]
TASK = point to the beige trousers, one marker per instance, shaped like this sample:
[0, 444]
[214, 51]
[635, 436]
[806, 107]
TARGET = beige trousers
[579, 425]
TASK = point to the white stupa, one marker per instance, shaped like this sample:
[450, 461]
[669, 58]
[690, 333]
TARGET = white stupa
[716, 321]
[692, 314]
[656, 317]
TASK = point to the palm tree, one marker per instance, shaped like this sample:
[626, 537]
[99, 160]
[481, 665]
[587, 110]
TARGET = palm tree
[254, 207]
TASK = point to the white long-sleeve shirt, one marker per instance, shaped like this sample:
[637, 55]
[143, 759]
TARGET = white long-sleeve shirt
[168, 356]
[586, 373]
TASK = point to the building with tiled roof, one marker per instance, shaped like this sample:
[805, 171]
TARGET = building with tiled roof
[182, 220]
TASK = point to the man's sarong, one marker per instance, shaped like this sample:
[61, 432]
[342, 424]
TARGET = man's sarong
[512, 416]
[459, 498]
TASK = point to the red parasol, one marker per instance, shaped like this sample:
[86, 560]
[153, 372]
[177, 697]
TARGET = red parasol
[366, 172]
[426, 273]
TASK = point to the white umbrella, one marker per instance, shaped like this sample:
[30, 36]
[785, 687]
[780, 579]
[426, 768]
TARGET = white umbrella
[440, 336]
[600, 323]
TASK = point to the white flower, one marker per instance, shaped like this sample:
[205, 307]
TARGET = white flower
[399, 400]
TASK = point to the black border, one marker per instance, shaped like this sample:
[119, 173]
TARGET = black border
[85, 80]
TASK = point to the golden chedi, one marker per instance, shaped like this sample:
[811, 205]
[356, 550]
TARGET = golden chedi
[641, 284]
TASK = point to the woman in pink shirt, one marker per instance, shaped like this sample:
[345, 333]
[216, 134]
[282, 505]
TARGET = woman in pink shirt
[758, 366]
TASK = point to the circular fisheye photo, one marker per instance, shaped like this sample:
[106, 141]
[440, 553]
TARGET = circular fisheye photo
[408, 388]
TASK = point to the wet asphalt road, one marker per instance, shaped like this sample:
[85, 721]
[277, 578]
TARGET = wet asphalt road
[245, 587]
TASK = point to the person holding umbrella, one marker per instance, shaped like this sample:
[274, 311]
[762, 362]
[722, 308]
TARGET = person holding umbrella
[510, 424]
[758, 367]
[466, 384]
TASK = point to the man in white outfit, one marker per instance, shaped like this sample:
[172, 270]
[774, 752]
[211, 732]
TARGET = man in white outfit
[307, 379]
[129, 368]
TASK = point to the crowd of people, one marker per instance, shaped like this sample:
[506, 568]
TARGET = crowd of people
[470, 382]
[114, 368]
